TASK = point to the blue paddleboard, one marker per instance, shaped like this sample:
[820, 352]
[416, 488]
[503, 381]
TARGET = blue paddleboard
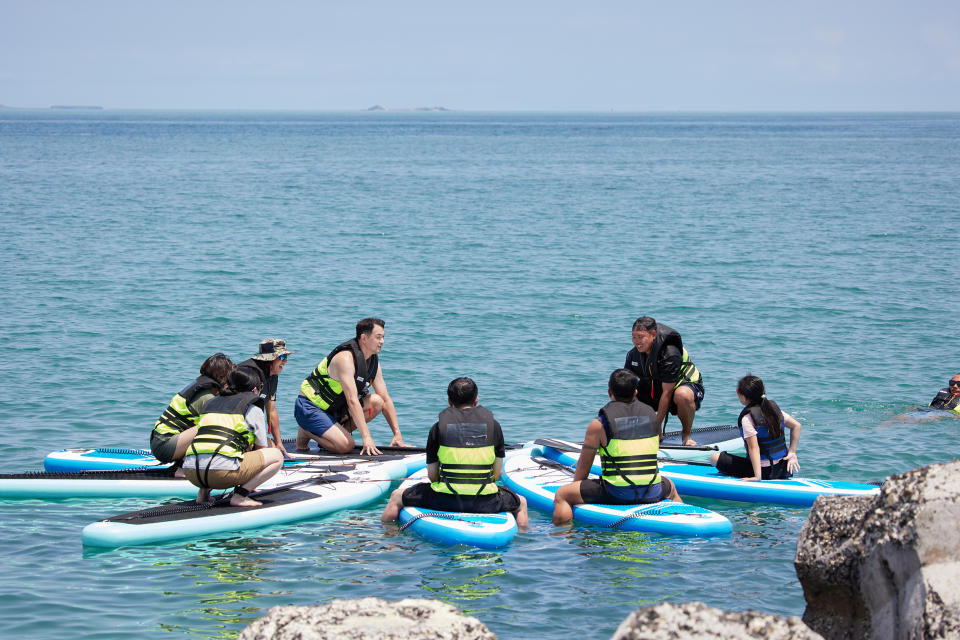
[537, 479]
[704, 481]
[483, 530]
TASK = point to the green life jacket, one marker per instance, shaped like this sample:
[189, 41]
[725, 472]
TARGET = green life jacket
[467, 438]
[178, 417]
[633, 440]
[222, 429]
[945, 401]
[327, 393]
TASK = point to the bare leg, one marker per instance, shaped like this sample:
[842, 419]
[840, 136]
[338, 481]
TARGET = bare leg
[273, 462]
[392, 511]
[203, 496]
[566, 497]
[686, 410]
[523, 520]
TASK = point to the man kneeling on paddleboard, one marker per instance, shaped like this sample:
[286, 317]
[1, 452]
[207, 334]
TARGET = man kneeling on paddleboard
[465, 451]
[627, 436]
[231, 448]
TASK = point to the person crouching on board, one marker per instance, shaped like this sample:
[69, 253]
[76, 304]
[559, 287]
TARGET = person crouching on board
[174, 430]
[948, 399]
[626, 434]
[465, 452]
[230, 448]
[761, 425]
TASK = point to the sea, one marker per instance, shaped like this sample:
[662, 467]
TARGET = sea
[818, 251]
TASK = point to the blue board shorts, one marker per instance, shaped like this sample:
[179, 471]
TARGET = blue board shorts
[596, 491]
[310, 417]
[698, 391]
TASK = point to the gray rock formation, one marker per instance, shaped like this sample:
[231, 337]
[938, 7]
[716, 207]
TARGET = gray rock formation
[697, 621]
[368, 619]
[885, 566]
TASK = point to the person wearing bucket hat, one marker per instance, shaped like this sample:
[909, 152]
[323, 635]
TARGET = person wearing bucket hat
[268, 364]
[344, 393]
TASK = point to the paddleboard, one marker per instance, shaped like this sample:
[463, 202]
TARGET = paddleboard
[148, 482]
[298, 500]
[721, 437]
[702, 480]
[537, 478]
[113, 458]
[483, 530]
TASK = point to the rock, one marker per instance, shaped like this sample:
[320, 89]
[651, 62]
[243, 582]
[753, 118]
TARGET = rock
[368, 619]
[697, 621]
[885, 566]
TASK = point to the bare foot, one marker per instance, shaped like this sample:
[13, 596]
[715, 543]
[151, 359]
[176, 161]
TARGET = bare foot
[303, 440]
[179, 473]
[690, 442]
[243, 501]
[203, 496]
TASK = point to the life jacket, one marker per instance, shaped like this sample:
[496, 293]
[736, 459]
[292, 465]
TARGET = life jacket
[178, 417]
[327, 393]
[647, 366]
[467, 438]
[944, 400]
[771, 449]
[223, 429]
[633, 440]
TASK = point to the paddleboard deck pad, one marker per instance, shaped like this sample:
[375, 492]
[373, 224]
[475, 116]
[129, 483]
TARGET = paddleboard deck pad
[702, 480]
[299, 500]
[537, 478]
[483, 530]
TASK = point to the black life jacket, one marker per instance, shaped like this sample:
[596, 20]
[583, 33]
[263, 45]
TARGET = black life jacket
[946, 401]
[326, 392]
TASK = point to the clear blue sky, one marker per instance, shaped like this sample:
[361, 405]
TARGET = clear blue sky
[635, 55]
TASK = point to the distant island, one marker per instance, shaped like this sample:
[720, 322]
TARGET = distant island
[84, 107]
[378, 107]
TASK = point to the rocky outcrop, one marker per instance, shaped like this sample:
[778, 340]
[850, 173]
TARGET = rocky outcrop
[368, 619]
[885, 566]
[695, 620]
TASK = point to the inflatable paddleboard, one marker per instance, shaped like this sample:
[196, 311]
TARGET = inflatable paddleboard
[114, 458]
[704, 481]
[158, 482]
[537, 478]
[721, 437]
[483, 530]
[298, 500]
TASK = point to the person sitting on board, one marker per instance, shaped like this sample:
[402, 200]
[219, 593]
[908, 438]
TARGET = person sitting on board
[626, 435]
[230, 448]
[336, 398]
[174, 430]
[465, 451]
[268, 364]
[768, 457]
[948, 399]
[668, 380]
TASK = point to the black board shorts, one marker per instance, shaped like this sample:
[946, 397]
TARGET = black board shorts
[740, 467]
[698, 391]
[594, 491]
[422, 495]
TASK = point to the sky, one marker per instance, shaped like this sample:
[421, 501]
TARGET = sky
[558, 55]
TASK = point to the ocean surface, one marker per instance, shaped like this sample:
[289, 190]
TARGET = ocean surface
[818, 251]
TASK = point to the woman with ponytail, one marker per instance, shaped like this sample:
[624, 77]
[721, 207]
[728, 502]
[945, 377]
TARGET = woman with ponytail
[762, 425]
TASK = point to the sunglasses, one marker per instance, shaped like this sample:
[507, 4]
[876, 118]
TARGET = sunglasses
[282, 357]
[953, 383]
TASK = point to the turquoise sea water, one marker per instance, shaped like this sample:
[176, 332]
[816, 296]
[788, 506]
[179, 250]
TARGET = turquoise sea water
[818, 251]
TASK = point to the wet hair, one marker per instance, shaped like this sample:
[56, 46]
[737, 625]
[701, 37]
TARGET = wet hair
[623, 385]
[751, 388]
[462, 391]
[217, 367]
[240, 380]
[645, 323]
[366, 325]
